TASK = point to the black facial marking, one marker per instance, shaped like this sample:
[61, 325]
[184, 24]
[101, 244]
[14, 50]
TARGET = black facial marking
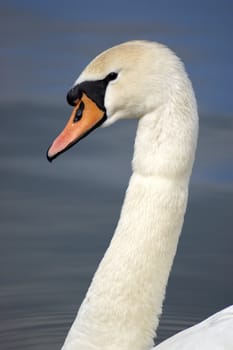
[79, 112]
[111, 76]
[94, 89]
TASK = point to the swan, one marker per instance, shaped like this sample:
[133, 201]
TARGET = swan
[147, 81]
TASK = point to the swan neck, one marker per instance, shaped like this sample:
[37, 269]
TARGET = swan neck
[122, 307]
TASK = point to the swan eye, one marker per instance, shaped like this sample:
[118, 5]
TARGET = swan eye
[111, 76]
[79, 112]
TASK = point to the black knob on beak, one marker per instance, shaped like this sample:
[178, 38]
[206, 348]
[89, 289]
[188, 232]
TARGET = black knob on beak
[73, 95]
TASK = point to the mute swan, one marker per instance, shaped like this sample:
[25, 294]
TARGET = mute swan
[121, 310]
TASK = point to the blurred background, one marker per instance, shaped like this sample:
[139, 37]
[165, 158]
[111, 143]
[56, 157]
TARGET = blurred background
[57, 219]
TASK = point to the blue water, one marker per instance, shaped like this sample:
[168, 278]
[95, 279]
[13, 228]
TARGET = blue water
[57, 220]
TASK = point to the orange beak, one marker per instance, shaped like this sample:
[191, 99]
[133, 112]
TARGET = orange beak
[85, 117]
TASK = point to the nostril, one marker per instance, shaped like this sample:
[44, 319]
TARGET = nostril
[79, 112]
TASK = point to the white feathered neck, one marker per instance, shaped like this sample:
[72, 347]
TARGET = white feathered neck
[123, 304]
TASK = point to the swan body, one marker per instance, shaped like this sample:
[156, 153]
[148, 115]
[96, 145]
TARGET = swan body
[215, 333]
[147, 81]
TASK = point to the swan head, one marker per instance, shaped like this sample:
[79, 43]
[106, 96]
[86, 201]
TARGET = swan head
[129, 80]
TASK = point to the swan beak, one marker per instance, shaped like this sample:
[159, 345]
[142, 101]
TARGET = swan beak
[85, 117]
